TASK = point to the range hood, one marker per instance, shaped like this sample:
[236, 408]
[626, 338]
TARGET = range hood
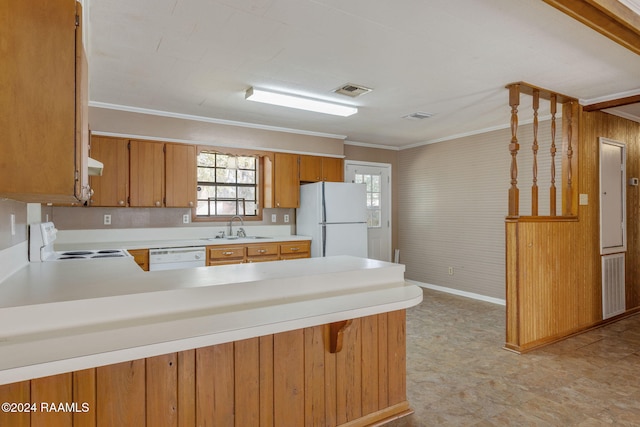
[95, 167]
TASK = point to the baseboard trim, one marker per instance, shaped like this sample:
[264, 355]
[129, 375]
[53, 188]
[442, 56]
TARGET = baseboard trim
[458, 292]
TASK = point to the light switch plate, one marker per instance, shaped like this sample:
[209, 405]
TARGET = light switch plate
[274, 217]
[584, 199]
[13, 224]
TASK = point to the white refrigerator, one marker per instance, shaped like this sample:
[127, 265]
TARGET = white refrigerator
[334, 215]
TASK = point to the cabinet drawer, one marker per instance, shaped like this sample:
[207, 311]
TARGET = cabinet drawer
[263, 258]
[294, 248]
[261, 250]
[226, 253]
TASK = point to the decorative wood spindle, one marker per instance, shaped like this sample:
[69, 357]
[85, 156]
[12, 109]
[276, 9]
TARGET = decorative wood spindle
[514, 196]
[534, 186]
[552, 190]
[568, 191]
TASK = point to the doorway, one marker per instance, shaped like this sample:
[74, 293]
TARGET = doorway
[377, 177]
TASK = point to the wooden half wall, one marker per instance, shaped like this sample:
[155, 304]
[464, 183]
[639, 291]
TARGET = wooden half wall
[556, 264]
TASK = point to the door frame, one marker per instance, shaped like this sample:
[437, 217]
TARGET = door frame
[623, 183]
[386, 202]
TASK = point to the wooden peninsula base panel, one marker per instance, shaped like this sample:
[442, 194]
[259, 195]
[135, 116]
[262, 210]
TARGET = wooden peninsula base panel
[286, 379]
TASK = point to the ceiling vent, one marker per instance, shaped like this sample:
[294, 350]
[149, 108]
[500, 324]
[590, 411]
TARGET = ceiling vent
[418, 116]
[352, 90]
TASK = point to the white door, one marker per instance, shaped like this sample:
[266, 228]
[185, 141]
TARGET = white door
[377, 177]
[612, 197]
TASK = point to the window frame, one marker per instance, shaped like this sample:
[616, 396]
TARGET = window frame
[259, 171]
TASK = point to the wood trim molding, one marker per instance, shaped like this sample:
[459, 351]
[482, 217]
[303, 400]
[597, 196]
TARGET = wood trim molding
[612, 103]
[610, 18]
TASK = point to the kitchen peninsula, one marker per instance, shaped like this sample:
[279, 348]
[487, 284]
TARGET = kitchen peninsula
[319, 340]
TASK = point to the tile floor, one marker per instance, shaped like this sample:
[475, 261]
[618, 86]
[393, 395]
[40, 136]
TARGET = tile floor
[458, 374]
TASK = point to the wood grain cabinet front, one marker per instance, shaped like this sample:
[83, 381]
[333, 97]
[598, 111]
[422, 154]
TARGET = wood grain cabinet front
[146, 174]
[221, 255]
[141, 256]
[294, 250]
[316, 168]
[261, 253]
[112, 187]
[43, 128]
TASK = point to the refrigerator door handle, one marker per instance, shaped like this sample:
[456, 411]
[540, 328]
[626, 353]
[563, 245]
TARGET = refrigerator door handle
[324, 222]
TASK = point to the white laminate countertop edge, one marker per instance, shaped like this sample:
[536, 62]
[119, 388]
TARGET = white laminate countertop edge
[175, 243]
[58, 317]
[95, 347]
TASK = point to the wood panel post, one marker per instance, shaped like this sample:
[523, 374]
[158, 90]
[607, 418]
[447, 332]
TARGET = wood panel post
[514, 196]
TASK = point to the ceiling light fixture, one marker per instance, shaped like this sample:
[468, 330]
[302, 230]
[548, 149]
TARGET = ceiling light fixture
[291, 101]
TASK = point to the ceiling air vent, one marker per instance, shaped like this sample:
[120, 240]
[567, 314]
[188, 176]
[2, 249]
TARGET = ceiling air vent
[352, 90]
[418, 116]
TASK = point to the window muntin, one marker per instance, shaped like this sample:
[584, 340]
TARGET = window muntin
[374, 193]
[227, 185]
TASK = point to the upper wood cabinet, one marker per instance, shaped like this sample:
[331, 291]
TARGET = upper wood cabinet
[282, 181]
[143, 173]
[316, 168]
[41, 113]
[181, 180]
[112, 188]
[146, 173]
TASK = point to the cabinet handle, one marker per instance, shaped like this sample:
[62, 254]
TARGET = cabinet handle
[227, 253]
[190, 204]
[157, 203]
[295, 249]
[121, 202]
[261, 251]
[278, 204]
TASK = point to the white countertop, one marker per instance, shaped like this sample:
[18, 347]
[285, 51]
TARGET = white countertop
[173, 243]
[62, 316]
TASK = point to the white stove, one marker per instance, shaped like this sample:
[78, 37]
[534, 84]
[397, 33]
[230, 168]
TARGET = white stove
[41, 239]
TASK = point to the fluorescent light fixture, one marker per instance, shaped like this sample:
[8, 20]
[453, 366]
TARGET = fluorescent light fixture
[291, 101]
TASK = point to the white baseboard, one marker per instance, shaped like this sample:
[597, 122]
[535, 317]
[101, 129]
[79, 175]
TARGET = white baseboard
[471, 295]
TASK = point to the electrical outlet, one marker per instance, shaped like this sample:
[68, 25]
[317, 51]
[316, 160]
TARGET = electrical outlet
[274, 218]
[450, 271]
[13, 224]
[185, 219]
[286, 217]
[107, 219]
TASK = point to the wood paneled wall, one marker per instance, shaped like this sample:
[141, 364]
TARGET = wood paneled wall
[557, 264]
[286, 379]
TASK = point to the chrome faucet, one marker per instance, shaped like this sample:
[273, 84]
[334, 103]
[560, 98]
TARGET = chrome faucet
[241, 232]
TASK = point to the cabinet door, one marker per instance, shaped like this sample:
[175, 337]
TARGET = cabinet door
[293, 250]
[111, 188]
[310, 168]
[146, 174]
[180, 164]
[38, 100]
[286, 181]
[332, 169]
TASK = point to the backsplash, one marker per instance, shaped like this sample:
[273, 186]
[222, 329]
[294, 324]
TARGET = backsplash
[91, 218]
[19, 210]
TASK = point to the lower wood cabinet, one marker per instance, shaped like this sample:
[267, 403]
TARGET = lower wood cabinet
[141, 256]
[286, 379]
[257, 252]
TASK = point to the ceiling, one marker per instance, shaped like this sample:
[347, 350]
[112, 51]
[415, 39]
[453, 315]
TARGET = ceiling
[448, 58]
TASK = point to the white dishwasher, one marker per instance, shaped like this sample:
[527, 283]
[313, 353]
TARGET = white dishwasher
[175, 258]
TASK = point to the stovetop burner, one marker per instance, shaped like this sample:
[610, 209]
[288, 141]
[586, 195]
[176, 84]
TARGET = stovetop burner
[41, 242]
